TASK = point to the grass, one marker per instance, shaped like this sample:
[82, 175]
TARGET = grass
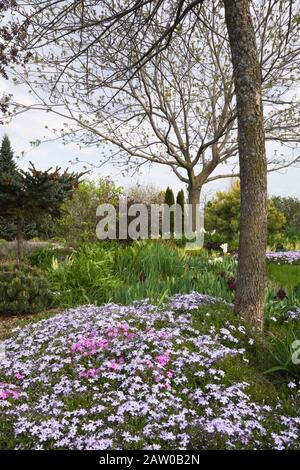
[284, 275]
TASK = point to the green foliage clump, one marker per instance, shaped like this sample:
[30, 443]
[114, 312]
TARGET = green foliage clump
[222, 215]
[290, 207]
[85, 278]
[155, 259]
[110, 272]
[280, 352]
[78, 220]
[45, 258]
[3, 242]
[196, 252]
[23, 289]
[290, 238]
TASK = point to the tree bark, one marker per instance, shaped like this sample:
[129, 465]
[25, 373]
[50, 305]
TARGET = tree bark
[249, 301]
[20, 250]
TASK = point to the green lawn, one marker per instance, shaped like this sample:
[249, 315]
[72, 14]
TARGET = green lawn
[284, 274]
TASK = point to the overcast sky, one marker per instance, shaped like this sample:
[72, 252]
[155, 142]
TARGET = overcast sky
[31, 126]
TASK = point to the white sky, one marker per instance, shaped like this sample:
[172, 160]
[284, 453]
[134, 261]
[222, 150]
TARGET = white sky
[31, 126]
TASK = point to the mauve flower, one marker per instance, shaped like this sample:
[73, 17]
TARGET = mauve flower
[294, 314]
[231, 283]
[281, 294]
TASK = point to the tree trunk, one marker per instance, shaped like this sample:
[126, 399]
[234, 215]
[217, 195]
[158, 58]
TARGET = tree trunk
[253, 175]
[194, 199]
[20, 250]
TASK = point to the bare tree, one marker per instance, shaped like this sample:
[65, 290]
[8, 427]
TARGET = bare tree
[129, 22]
[13, 50]
[179, 108]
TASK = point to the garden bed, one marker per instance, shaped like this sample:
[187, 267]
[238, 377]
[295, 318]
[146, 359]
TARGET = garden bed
[180, 376]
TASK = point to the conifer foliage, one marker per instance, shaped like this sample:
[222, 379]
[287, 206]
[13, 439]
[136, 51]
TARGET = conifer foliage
[23, 289]
[180, 199]
[169, 197]
[170, 201]
[31, 194]
[8, 166]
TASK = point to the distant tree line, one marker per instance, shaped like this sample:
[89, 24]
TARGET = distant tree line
[222, 215]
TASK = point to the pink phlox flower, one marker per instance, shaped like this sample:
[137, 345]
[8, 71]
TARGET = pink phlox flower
[125, 328]
[113, 364]
[163, 359]
[131, 335]
[163, 334]
[102, 344]
[147, 362]
[165, 385]
[150, 332]
[90, 373]
[89, 346]
[8, 391]
[113, 332]
[19, 376]
[3, 394]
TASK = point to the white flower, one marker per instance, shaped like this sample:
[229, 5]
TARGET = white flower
[2, 351]
[224, 247]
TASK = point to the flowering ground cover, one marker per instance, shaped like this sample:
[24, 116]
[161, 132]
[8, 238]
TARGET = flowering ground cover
[177, 376]
[289, 257]
[294, 314]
